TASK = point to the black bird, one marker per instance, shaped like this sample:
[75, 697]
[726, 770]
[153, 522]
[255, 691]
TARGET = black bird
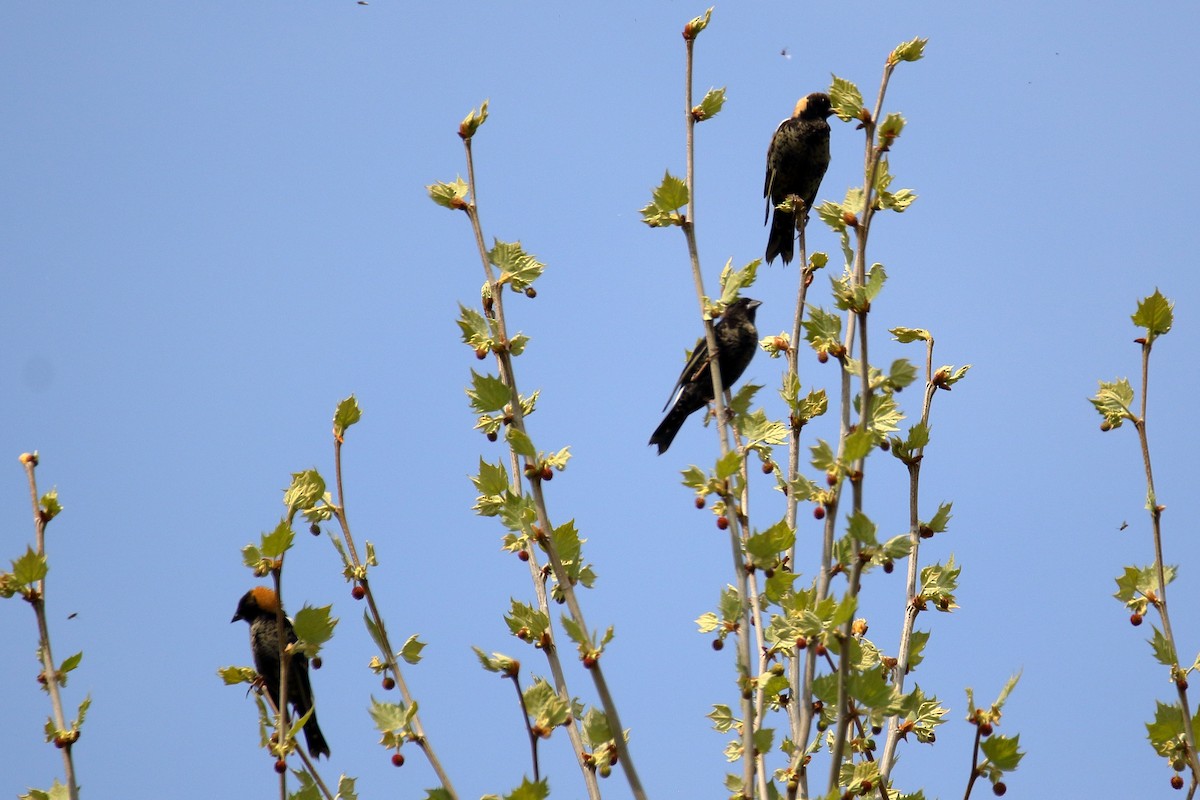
[796, 162]
[737, 339]
[260, 607]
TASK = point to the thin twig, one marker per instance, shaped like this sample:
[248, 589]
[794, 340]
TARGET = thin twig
[38, 601]
[974, 763]
[388, 652]
[910, 607]
[722, 419]
[1156, 510]
[533, 737]
[508, 376]
[281, 715]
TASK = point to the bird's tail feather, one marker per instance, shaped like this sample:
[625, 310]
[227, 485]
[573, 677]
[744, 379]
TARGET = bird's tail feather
[782, 238]
[665, 433]
[317, 746]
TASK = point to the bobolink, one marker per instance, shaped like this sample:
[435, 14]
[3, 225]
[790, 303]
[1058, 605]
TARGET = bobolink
[796, 162]
[260, 608]
[737, 339]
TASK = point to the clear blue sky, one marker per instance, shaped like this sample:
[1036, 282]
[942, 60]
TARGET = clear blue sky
[213, 226]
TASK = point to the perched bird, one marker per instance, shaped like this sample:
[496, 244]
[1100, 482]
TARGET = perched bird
[737, 339]
[796, 162]
[260, 608]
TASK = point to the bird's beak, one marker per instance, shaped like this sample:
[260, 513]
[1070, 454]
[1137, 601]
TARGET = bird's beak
[236, 616]
[754, 304]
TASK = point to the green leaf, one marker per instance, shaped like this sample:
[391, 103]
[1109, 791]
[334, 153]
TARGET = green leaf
[346, 788]
[734, 280]
[577, 634]
[848, 294]
[389, 717]
[1154, 313]
[823, 330]
[307, 489]
[823, 457]
[307, 789]
[520, 442]
[516, 344]
[278, 541]
[890, 129]
[81, 713]
[568, 545]
[916, 648]
[833, 216]
[858, 445]
[780, 584]
[885, 416]
[756, 428]
[471, 122]
[663, 210]
[763, 740]
[449, 195]
[908, 51]
[925, 712]
[517, 268]
[804, 489]
[476, 330]
[815, 404]
[710, 106]
[1114, 401]
[901, 374]
[906, 335]
[70, 663]
[897, 201]
[897, 547]
[730, 604]
[722, 718]
[1164, 653]
[526, 622]
[843, 612]
[49, 505]
[728, 464]
[697, 24]
[907, 448]
[743, 397]
[314, 627]
[547, 708]
[497, 662]
[694, 478]
[596, 730]
[410, 651]
[861, 528]
[235, 675]
[488, 393]
[373, 629]
[347, 414]
[57, 791]
[940, 519]
[764, 548]
[938, 583]
[1009, 685]
[1166, 731]
[1136, 584]
[845, 98]
[492, 479]
[1003, 752]
[947, 375]
[858, 779]
[30, 568]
